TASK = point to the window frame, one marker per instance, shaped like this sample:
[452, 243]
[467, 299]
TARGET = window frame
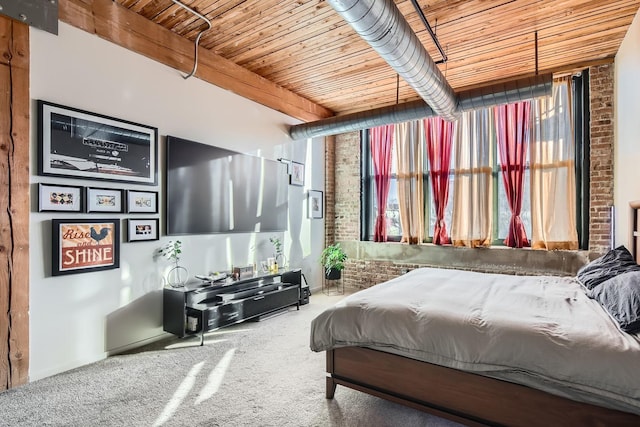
[580, 97]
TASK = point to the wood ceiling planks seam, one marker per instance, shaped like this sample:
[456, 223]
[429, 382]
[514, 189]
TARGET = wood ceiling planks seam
[304, 46]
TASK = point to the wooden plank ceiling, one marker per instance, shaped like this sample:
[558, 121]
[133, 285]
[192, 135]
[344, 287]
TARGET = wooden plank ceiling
[306, 47]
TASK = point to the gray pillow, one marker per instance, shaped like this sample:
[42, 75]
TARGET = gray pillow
[620, 297]
[614, 262]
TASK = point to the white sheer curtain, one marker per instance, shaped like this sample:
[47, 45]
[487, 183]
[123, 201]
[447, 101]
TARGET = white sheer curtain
[408, 140]
[553, 188]
[472, 192]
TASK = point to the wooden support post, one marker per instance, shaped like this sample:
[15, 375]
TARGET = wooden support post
[14, 203]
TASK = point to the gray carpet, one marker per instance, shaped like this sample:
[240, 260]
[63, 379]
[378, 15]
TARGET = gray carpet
[251, 374]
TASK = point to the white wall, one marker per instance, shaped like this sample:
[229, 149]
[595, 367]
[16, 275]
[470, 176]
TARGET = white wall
[627, 129]
[80, 318]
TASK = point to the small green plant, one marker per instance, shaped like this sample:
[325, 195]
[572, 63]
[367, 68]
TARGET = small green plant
[172, 251]
[333, 258]
[277, 245]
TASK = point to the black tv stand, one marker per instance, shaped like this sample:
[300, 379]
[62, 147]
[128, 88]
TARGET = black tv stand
[202, 307]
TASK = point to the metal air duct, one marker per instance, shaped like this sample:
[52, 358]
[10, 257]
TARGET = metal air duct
[380, 23]
[397, 113]
[489, 96]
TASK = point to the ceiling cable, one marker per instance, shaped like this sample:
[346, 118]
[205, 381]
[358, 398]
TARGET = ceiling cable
[197, 41]
[431, 32]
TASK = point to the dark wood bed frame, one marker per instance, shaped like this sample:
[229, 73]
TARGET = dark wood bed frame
[464, 397]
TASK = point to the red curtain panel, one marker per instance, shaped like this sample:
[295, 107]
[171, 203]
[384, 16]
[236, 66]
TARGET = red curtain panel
[381, 144]
[512, 131]
[439, 139]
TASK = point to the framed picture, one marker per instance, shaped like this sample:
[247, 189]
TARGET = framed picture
[81, 246]
[296, 173]
[59, 198]
[315, 204]
[104, 200]
[79, 144]
[142, 201]
[139, 230]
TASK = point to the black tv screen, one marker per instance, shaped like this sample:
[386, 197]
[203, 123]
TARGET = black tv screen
[215, 190]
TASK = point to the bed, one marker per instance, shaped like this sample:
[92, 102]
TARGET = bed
[488, 349]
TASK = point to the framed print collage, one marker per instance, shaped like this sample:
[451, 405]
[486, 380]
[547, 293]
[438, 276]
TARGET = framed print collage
[118, 155]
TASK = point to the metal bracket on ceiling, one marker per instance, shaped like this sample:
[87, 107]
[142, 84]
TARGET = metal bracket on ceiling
[431, 32]
[197, 41]
[42, 14]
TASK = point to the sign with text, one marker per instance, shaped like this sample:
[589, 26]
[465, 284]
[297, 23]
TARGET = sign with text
[84, 246]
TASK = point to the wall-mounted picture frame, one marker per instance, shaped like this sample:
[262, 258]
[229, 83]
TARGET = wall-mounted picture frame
[82, 246]
[60, 198]
[80, 144]
[104, 200]
[315, 204]
[296, 173]
[141, 230]
[142, 201]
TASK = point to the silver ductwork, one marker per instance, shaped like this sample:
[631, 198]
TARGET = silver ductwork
[397, 113]
[380, 23]
[489, 96]
[506, 92]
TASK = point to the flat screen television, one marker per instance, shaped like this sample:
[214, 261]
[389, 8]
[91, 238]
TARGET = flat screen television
[215, 190]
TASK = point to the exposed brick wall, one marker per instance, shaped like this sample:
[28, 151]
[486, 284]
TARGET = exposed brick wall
[362, 273]
[329, 190]
[601, 171]
[347, 177]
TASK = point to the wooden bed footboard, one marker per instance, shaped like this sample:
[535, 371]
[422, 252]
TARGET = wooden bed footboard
[463, 397]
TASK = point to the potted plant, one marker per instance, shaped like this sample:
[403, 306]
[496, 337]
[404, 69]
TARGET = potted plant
[178, 275]
[278, 251]
[333, 258]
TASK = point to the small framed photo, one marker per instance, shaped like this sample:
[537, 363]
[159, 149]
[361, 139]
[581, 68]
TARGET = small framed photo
[315, 204]
[140, 230]
[104, 200]
[59, 198]
[142, 201]
[296, 173]
[82, 246]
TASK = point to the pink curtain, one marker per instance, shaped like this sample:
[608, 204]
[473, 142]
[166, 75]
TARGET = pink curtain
[512, 131]
[439, 139]
[381, 141]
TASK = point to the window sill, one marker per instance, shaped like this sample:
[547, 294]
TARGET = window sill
[496, 259]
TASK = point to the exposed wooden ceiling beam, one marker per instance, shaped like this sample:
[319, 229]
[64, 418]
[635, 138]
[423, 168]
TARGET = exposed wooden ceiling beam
[123, 27]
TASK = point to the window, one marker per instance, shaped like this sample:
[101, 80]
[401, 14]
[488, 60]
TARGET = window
[369, 205]
[501, 210]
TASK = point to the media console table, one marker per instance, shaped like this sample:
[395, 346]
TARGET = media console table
[203, 307]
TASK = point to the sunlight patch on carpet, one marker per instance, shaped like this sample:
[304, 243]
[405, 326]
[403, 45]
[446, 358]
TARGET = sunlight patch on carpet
[215, 377]
[183, 389]
[192, 343]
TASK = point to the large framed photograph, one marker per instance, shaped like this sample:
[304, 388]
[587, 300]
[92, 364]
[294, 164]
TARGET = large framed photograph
[142, 201]
[79, 144]
[296, 171]
[59, 198]
[81, 246]
[315, 204]
[140, 230]
[104, 200]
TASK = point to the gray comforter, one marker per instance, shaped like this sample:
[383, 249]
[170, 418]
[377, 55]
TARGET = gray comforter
[540, 331]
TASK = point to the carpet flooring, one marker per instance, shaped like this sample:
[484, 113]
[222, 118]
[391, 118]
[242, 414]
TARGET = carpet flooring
[250, 374]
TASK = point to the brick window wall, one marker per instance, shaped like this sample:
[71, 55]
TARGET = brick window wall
[601, 171]
[347, 178]
[330, 190]
[364, 272]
